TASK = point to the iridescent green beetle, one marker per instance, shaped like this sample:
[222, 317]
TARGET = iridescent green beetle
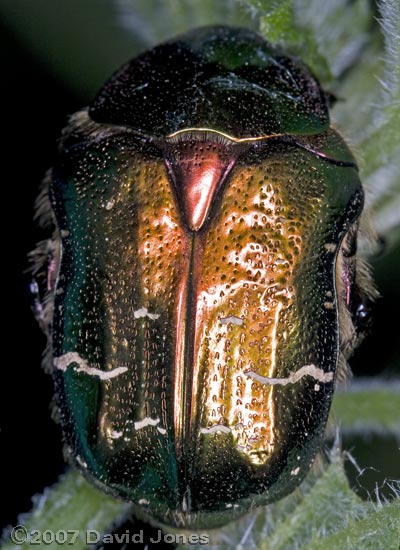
[204, 289]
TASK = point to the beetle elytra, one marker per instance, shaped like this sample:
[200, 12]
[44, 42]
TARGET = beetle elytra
[204, 286]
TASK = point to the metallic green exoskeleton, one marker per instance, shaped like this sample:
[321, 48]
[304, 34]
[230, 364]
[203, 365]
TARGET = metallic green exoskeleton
[203, 284]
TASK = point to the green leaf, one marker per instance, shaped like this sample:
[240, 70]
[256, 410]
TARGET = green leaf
[368, 407]
[381, 147]
[317, 513]
[279, 24]
[72, 504]
[380, 530]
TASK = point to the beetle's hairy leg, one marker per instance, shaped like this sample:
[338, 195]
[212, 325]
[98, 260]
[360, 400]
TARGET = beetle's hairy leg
[44, 260]
[356, 292]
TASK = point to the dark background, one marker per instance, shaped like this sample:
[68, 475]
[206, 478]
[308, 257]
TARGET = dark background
[35, 103]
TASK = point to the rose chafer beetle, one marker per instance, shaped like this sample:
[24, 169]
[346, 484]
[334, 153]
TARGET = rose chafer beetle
[203, 285]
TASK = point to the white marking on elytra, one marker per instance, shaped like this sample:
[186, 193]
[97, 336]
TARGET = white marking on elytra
[307, 370]
[140, 87]
[143, 502]
[143, 312]
[328, 305]
[149, 422]
[214, 429]
[231, 319]
[330, 247]
[116, 435]
[146, 422]
[68, 359]
[317, 387]
[295, 471]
